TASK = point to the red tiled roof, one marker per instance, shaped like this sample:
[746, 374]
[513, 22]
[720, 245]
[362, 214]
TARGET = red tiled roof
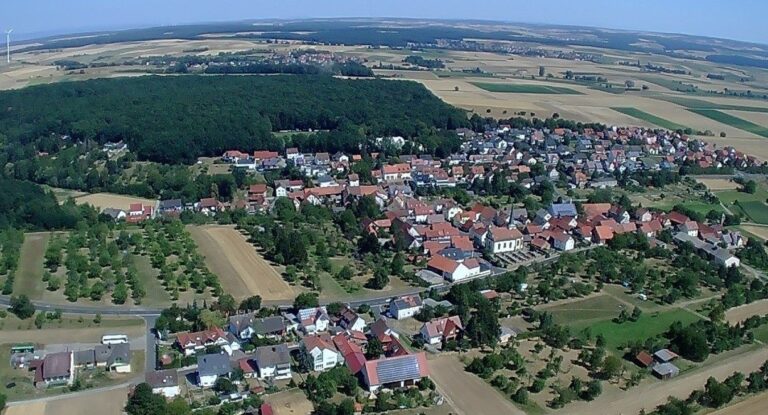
[443, 264]
[504, 234]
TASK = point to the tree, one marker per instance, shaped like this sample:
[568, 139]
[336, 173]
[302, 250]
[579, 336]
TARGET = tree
[750, 187]
[305, 300]
[211, 318]
[226, 304]
[368, 243]
[521, 396]
[594, 389]
[40, 320]
[374, 349]
[345, 273]
[379, 280]
[252, 303]
[224, 385]
[22, 307]
[541, 70]
[636, 313]
[144, 402]
[483, 328]
[611, 367]
[398, 263]
[716, 394]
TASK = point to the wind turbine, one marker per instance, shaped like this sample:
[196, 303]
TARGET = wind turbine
[8, 45]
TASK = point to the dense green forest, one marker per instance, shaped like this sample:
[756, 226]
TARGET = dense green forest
[26, 205]
[176, 119]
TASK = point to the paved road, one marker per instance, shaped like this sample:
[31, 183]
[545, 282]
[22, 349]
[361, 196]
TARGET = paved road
[81, 309]
[150, 354]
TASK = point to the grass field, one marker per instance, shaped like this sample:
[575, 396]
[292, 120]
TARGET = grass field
[595, 308]
[524, 88]
[736, 122]
[761, 232]
[243, 272]
[29, 279]
[661, 122]
[156, 293]
[693, 103]
[757, 211]
[648, 325]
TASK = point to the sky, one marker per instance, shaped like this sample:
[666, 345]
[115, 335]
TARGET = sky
[735, 19]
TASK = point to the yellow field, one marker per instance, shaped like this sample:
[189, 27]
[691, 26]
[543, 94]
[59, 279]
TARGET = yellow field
[103, 402]
[108, 200]
[759, 231]
[243, 272]
[756, 405]
[293, 402]
[738, 314]
[717, 184]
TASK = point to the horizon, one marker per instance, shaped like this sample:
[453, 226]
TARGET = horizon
[29, 23]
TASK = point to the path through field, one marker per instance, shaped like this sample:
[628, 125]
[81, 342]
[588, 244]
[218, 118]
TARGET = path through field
[649, 395]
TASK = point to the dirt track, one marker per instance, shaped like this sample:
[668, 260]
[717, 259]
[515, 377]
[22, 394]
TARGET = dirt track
[741, 313]
[243, 272]
[466, 392]
[654, 392]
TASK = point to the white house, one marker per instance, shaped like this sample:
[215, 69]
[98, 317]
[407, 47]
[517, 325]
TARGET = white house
[404, 307]
[503, 240]
[164, 382]
[450, 269]
[273, 362]
[320, 352]
[441, 329]
[210, 367]
[350, 320]
[314, 319]
[563, 242]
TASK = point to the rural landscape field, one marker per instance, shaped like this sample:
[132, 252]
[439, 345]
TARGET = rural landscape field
[408, 216]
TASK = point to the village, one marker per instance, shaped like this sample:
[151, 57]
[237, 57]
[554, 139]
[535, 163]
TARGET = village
[383, 345]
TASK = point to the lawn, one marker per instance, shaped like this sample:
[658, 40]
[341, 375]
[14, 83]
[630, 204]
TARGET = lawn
[29, 280]
[524, 88]
[648, 325]
[736, 122]
[661, 122]
[761, 333]
[596, 308]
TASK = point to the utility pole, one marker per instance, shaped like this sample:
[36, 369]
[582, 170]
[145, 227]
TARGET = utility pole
[8, 45]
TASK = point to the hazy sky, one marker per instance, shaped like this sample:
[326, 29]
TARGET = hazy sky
[735, 19]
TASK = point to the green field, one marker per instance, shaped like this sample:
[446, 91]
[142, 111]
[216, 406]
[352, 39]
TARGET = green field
[756, 210]
[596, 308]
[29, 279]
[648, 325]
[693, 103]
[524, 88]
[736, 122]
[661, 122]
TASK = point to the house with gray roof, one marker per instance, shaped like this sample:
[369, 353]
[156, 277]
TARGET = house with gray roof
[54, 369]
[210, 367]
[273, 362]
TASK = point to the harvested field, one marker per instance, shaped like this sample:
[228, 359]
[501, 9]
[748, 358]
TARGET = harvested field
[292, 402]
[652, 393]
[599, 307]
[717, 184]
[29, 279]
[756, 405]
[243, 272]
[466, 392]
[108, 402]
[759, 231]
[107, 200]
[743, 312]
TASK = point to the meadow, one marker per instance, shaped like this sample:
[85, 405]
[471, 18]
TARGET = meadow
[736, 122]
[661, 122]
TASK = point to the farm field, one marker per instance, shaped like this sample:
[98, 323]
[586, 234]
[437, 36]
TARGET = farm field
[29, 280]
[524, 88]
[242, 271]
[70, 330]
[108, 200]
[755, 405]
[758, 231]
[110, 402]
[738, 314]
[733, 121]
[756, 211]
[466, 392]
[661, 122]
[717, 184]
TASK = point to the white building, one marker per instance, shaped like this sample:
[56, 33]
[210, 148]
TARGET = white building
[320, 352]
[501, 240]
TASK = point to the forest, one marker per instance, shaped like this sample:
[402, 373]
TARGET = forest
[176, 119]
[26, 205]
